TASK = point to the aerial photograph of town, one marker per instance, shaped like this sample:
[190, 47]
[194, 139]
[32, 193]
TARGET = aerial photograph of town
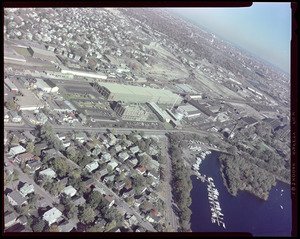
[143, 120]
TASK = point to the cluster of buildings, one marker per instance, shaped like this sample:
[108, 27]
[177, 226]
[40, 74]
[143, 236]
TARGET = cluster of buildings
[105, 167]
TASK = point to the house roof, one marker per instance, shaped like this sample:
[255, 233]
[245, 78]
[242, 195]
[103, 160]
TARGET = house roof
[17, 197]
[69, 190]
[48, 172]
[17, 150]
[141, 169]
[51, 215]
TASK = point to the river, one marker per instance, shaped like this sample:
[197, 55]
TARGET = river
[244, 213]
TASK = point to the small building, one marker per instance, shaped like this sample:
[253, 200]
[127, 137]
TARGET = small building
[52, 215]
[9, 219]
[16, 199]
[109, 179]
[17, 150]
[23, 158]
[102, 172]
[78, 200]
[47, 173]
[141, 170]
[128, 194]
[88, 182]
[69, 191]
[26, 189]
[119, 185]
[134, 149]
[66, 226]
[91, 166]
[123, 156]
[113, 164]
[152, 218]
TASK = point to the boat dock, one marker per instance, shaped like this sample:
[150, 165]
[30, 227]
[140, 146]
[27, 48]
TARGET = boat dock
[213, 193]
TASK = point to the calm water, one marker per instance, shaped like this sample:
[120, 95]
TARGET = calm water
[244, 213]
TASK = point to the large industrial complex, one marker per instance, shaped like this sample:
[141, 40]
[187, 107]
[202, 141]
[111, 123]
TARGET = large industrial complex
[136, 94]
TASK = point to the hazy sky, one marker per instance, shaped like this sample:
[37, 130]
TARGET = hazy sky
[263, 29]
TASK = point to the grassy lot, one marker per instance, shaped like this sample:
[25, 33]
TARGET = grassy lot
[168, 126]
[22, 51]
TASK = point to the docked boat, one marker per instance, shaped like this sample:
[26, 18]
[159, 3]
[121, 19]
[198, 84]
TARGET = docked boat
[213, 220]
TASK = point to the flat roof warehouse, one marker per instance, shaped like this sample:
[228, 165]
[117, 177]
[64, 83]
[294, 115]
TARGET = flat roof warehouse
[130, 93]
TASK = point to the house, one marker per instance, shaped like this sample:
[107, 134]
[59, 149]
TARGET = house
[14, 116]
[52, 215]
[141, 170]
[134, 149]
[96, 151]
[29, 136]
[123, 156]
[16, 150]
[50, 152]
[140, 229]
[106, 157]
[110, 199]
[119, 185]
[139, 200]
[9, 218]
[23, 158]
[33, 165]
[133, 161]
[78, 201]
[17, 228]
[152, 151]
[154, 164]
[47, 173]
[118, 148]
[112, 139]
[115, 230]
[153, 174]
[102, 172]
[66, 226]
[109, 179]
[81, 137]
[69, 191]
[128, 194]
[152, 218]
[16, 199]
[91, 166]
[113, 164]
[26, 189]
[101, 221]
[22, 220]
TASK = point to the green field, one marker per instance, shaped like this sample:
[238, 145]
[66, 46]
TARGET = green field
[22, 51]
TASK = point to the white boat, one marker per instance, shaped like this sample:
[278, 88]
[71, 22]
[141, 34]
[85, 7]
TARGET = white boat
[281, 190]
[281, 206]
[213, 220]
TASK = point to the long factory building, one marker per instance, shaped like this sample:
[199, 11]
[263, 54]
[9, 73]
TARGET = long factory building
[135, 94]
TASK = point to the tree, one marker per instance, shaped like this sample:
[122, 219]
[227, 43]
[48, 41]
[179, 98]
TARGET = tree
[60, 167]
[86, 214]
[71, 211]
[30, 147]
[37, 151]
[10, 105]
[38, 225]
[94, 199]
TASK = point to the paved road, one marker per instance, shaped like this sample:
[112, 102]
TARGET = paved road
[173, 220]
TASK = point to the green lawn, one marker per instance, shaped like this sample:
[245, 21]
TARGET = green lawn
[22, 51]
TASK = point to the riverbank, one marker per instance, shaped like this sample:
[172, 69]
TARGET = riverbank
[242, 213]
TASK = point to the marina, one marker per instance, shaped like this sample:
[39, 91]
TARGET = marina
[216, 215]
